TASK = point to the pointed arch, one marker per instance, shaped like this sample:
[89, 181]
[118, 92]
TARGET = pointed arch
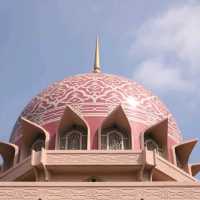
[182, 152]
[72, 127]
[158, 134]
[30, 133]
[116, 125]
[9, 153]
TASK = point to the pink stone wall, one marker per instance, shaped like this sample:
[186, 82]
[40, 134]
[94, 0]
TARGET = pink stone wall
[100, 176]
[99, 191]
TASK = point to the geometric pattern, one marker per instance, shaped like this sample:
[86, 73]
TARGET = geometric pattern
[97, 94]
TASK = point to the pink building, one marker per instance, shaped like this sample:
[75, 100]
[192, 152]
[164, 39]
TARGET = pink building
[97, 136]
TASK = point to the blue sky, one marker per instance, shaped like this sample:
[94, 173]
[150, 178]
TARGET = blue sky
[154, 42]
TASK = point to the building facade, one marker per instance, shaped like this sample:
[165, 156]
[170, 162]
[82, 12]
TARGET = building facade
[97, 136]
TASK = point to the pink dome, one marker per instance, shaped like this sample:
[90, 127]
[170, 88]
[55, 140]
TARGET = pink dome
[94, 96]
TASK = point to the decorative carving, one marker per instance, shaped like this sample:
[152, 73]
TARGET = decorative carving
[98, 191]
[96, 94]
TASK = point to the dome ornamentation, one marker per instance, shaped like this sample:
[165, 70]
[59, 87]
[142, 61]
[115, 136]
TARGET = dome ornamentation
[97, 94]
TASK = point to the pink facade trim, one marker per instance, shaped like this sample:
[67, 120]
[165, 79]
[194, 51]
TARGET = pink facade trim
[99, 190]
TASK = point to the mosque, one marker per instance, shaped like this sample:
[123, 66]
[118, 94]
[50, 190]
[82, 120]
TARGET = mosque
[97, 136]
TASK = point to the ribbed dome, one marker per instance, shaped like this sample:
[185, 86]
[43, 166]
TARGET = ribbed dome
[96, 95]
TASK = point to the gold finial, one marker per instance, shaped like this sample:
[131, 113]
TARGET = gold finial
[97, 67]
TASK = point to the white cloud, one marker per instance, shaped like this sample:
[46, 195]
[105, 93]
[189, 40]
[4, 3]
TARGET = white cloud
[157, 75]
[169, 46]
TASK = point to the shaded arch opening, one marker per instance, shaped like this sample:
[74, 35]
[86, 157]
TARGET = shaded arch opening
[8, 153]
[182, 153]
[115, 132]
[34, 137]
[72, 132]
[156, 138]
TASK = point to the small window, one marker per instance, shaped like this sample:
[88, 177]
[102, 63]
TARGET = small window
[115, 139]
[38, 145]
[74, 139]
[151, 145]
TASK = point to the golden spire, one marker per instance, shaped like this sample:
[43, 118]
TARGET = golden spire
[97, 67]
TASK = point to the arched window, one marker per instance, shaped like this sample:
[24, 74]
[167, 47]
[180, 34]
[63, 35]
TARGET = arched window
[151, 144]
[115, 139]
[115, 131]
[38, 144]
[156, 138]
[74, 139]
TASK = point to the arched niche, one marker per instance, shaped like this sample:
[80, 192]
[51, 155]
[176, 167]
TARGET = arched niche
[9, 155]
[32, 133]
[182, 153]
[156, 137]
[73, 131]
[115, 131]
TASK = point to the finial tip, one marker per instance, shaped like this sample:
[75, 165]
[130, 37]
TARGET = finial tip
[97, 67]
